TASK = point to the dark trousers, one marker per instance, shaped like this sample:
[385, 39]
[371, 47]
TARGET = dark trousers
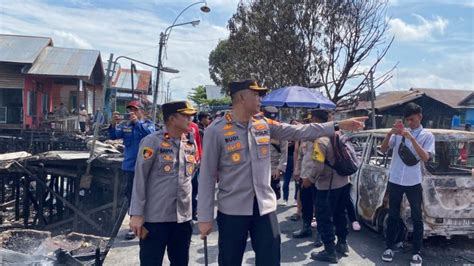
[414, 196]
[264, 234]
[82, 126]
[350, 206]
[174, 237]
[194, 184]
[128, 184]
[307, 203]
[331, 214]
[287, 178]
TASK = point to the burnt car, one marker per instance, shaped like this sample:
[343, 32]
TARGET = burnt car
[448, 184]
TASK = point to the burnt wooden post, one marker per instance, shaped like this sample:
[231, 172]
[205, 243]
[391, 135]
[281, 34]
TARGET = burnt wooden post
[77, 182]
[40, 196]
[26, 205]
[61, 192]
[17, 197]
[69, 193]
[51, 185]
[13, 186]
[2, 189]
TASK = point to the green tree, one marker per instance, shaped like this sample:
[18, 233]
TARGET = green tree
[326, 44]
[263, 45]
[199, 97]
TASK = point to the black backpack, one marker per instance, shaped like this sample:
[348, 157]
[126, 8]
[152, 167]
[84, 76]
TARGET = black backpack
[346, 161]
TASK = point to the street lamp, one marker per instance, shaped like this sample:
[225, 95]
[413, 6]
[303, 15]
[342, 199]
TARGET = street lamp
[163, 38]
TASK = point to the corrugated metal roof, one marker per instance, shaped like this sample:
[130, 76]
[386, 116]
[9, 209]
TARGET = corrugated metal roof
[440, 134]
[467, 102]
[21, 49]
[450, 97]
[388, 99]
[56, 61]
[141, 80]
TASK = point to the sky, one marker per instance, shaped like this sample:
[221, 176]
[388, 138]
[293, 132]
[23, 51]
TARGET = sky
[433, 47]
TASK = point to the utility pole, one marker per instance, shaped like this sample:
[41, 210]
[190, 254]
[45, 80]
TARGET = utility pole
[157, 79]
[372, 98]
[133, 69]
[167, 99]
[87, 176]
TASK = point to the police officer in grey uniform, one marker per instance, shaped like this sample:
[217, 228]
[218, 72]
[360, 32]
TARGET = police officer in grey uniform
[236, 150]
[161, 209]
[278, 153]
[330, 196]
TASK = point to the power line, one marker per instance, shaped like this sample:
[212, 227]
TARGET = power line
[188, 40]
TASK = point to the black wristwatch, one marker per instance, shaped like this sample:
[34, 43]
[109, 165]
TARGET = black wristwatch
[336, 126]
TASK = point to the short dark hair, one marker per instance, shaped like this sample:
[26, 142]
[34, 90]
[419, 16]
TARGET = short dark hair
[412, 109]
[322, 115]
[202, 115]
[167, 118]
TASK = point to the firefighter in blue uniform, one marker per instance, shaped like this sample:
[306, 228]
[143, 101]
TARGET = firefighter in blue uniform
[132, 131]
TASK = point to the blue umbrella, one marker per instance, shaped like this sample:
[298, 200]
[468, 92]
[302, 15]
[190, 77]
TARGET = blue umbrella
[297, 96]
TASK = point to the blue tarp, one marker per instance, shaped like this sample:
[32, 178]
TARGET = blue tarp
[296, 96]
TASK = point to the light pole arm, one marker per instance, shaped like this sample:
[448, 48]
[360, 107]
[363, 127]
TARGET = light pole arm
[134, 60]
[179, 15]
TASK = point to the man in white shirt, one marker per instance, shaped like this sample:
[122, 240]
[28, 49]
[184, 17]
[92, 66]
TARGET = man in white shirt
[405, 176]
[83, 117]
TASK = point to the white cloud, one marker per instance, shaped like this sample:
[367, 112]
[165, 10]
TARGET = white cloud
[68, 39]
[424, 30]
[452, 71]
[122, 32]
[393, 2]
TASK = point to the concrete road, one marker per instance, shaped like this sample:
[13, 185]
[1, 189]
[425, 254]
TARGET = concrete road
[366, 247]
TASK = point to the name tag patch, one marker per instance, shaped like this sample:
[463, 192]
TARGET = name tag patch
[231, 139]
[260, 133]
[187, 151]
[163, 150]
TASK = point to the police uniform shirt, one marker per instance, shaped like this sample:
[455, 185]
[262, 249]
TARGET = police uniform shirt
[162, 182]
[278, 158]
[314, 168]
[299, 157]
[239, 156]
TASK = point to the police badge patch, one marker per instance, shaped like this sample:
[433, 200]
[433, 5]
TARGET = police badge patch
[147, 152]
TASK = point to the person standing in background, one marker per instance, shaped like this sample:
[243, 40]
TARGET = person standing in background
[83, 117]
[132, 132]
